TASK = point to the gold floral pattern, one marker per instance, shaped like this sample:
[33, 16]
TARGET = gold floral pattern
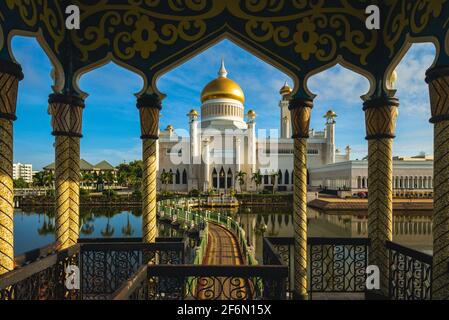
[306, 39]
[145, 37]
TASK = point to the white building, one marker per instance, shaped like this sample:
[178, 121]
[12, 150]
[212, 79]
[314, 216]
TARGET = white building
[24, 171]
[411, 175]
[223, 143]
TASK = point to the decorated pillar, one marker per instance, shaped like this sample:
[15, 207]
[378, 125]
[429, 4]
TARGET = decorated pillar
[149, 107]
[300, 114]
[438, 80]
[380, 117]
[10, 75]
[66, 112]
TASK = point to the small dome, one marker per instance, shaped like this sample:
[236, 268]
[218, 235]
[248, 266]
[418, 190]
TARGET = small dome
[330, 114]
[193, 113]
[222, 87]
[285, 89]
[251, 113]
[169, 128]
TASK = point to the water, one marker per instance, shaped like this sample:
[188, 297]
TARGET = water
[411, 231]
[36, 228]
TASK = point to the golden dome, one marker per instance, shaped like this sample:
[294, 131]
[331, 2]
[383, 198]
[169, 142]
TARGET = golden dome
[251, 113]
[169, 128]
[285, 89]
[193, 113]
[330, 114]
[222, 87]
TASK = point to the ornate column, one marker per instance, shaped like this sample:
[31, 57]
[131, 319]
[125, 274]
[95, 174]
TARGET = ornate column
[149, 108]
[438, 80]
[300, 114]
[380, 117]
[66, 112]
[10, 75]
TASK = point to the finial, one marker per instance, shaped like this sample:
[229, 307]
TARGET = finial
[222, 73]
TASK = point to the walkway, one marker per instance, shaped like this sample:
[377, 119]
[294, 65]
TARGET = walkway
[222, 248]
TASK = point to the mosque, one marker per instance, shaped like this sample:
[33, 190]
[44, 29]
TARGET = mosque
[223, 142]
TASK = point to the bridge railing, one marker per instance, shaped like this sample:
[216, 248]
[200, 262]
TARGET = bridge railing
[157, 282]
[103, 264]
[338, 265]
[410, 276]
[178, 211]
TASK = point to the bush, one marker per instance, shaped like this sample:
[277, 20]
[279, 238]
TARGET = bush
[110, 193]
[84, 192]
[194, 193]
[137, 194]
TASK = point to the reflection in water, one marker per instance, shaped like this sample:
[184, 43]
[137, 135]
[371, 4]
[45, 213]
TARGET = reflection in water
[36, 229]
[411, 231]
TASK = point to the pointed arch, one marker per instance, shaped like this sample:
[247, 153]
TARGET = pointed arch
[287, 177]
[184, 177]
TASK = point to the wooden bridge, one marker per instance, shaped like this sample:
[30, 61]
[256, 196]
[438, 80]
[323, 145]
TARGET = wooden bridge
[223, 248]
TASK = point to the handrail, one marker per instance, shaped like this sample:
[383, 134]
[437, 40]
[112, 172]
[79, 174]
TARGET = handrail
[418, 255]
[175, 209]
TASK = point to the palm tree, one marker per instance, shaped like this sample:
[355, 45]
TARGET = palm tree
[240, 178]
[166, 179]
[109, 178]
[127, 229]
[257, 178]
[273, 176]
[109, 230]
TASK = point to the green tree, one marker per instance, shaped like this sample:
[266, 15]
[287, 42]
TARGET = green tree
[20, 183]
[240, 178]
[166, 178]
[257, 178]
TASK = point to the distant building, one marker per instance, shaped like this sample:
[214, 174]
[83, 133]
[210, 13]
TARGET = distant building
[86, 167]
[411, 175]
[24, 171]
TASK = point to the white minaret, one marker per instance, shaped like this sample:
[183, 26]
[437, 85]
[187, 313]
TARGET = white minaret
[206, 164]
[286, 132]
[238, 154]
[330, 136]
[194, 137]
[252, 142]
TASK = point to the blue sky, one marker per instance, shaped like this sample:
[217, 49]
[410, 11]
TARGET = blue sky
[111, 121]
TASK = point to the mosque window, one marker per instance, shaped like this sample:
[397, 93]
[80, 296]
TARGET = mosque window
[287, 177]
[178, 177]
[184, 177]
[279, 177]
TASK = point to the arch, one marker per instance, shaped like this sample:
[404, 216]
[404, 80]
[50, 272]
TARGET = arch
[102, 63]
[229, 178]
[184, 176]
[58, 73]
[287, 178]
[215, 178]
[177, 177]
[226, 34]
[222, 179]
[279, 177]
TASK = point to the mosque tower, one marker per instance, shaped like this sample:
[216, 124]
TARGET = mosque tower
[286, 131]
[330, 136]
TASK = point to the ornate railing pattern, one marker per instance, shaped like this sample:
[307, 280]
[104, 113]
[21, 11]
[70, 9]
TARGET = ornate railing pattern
[336, 265]
[104, 266]
[410, 273]
[43, 279]
[177, 282]
[179, 211]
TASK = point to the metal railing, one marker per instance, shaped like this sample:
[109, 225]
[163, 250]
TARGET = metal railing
[410, 276]
[335, 265]
[181, 282]
[178, 211]
[103, 264]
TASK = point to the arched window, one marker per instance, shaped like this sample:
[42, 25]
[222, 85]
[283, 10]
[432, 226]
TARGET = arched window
[215, 179]
[279, 177]
[229, 179]
[178, 177]
[184, 177]
[222, 179]
[171, 176]
[287, 177]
